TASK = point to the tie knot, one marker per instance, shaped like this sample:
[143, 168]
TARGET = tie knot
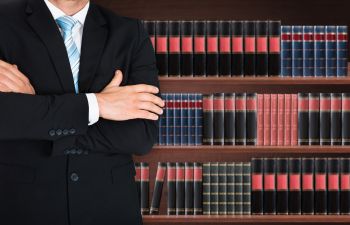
[66, 23]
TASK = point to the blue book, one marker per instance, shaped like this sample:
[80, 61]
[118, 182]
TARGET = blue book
[308, 51]
[320, 51]
[331, 51]
[162, 123]
[191, 119]
[184, 118]
[342, 51]
[177, 119]
[199, 119]
[286, 51]
[297, 51]
[170, 119]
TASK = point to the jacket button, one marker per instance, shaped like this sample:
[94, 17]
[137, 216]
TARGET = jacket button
[59, 132]
[74, 177]
[65, 132]
[72, 131]
[52, 133]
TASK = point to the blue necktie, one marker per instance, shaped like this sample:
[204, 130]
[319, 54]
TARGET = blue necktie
[66, 23]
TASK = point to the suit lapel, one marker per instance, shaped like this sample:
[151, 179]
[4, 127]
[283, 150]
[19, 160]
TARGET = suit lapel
[94, 40]
[40, 19]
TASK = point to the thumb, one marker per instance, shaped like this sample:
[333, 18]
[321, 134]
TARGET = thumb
[117, 79]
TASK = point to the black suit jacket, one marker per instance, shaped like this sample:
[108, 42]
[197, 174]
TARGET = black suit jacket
[54, 168]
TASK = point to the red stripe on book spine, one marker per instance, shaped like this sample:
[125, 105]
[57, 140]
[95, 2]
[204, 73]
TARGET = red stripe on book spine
[314, 104]
[208, 104]
[331, 37]
[180, 174]
[303, 104]
[144, 173]
[230, 104]
[280, 120]
[177, 104]
[257, 182]
[225, 45]
[240, 104]
[294, 182]
[274, 119]
[345, 104]
[275, 44]
[187, 44]
[261, 44]
[189, 174]
[308, 182]
[333, 182]
[342, 37]
[297, 37]
[294, 120]
[336, 104]
[286, 37]
[237, 45]
[325, 104]
[269, 182]
[199, 104]
[138, 173]
[162, 44]
[345, 182]
[199, 44]
[320, 37]
[282, 182]
[218, 104]
[251, 104]
[184, 104]
[320, 182]
[174, 44]
[212, 44]
[249, 44]
[160, 174]
[153, 40]
[260, 122]
[308, 37]
[171, 175]
[198, 174]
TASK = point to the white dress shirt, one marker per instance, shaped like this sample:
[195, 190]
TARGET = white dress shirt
[77, 33]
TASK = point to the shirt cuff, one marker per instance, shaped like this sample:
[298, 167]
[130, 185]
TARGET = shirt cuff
[94, 111]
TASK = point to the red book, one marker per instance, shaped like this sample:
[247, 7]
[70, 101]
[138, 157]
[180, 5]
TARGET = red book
[274, 119]
[294, 120]
[267, 119]
[260, 123]
[280, 120]
[287, 119]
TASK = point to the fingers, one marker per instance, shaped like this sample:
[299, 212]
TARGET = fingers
[117, 80]
[12, 70]
[4, 88]
[150, 107]
[145, 88]
[143, 114]
[146, 97]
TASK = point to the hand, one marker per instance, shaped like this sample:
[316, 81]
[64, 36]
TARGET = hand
[12, 80]
[129, 102]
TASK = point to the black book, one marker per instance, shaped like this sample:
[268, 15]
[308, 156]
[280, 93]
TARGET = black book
[336, 119]
[222, 188]
[214, 188]
[274, 48]
[174, 60]
[225, 48]
[238, 188]
[208, 119]
[249, 48]
[206, 188]
[212, 48]
[187, 48]
[294, 195]
[282, 186]
[144, 188]
[333, 186]
[218, 125]
[158, 188]
[314, 119]
[240, 119]
[230, 170]
[237, 61]
[307, 197]
[269, 186]
[262, 48]
[171, 178]
[320, 186]
[229, 118]
[150, 28]
[138, 179]
[345, 186]
[246, 202]
[346, 118]
[198, 188]
[180, 188]
[251, 118]
[325, 119]
[189, 189]
[162, 47]
[199, 61]
[257, 207]
[303, 119]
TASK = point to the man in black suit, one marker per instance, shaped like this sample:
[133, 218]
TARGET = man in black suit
[79, 95]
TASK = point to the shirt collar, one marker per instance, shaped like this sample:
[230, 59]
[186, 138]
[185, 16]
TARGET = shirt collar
[56, 12]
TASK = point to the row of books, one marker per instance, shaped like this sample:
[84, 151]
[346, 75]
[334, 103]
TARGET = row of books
[300, 186]
[248, 48]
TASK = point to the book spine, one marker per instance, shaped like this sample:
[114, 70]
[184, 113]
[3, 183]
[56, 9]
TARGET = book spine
[320, 186]
[249, 48]
[191, 122]
[260, 120]
[286, 51]
[297, 51]
[307, 197]
[199, 61]
[269, 186]
[184, 118]
[237, 49]
[336, 122]
[150, 28]
[257, 207]
[274, 60]
[212, 48]
[187, 48]
[288, 119]
[303, 119]
[240, 119]
[331, 51]
[346, 118]
[174, 60]
[342, 51]
[314, 119]
[169, 107]
[171, 178]
[222, 191]
[262, 52]
[267, 119]
[214, 188]
[325, 118]
[274, 115]
[162, 50]
[198, 188]
[229, 118]
[294, 197]
[206, 189]
[320, 51]
[218, 125]
[238, 188]
[177, 118]
[333, 186]
[308, 51]
[208, 119]
[189, 188]
[138, 179]
[345, 186]
[282, 186]
[162, 123]
[144, 188]
[198, 119]
[280, 120]
[246, 188]
[251, 118]
[294, 120]
[225, 48]
[180, 188]
[158, 188]
[230, 188]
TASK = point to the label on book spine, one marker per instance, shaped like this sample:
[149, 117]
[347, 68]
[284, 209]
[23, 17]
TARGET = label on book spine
[187, 48]
[282, 186]
[342, 51]
[286, 51]
[198, 188]
[325, 118]
[262, 48]
[171, 177]
[212, 48]
[237, 48]
[333, 186]
[314, 119]
[307, 204]
[240, 119]
[303, 119]
[249, 48]
[320, 186]
[257, 186]
[308, 51]
[208, 119]
[269, 186]
[200, 62]
[251, 119]
[331, 51]
[180, 188]
[174, 60]
[320, 51]
[218, 106]
[230, 113]
[294, 200]
[225, 48]
[336, 119]
[274, 60]
[162, 47]
[189, 188]
[297, 51]
[158, 188]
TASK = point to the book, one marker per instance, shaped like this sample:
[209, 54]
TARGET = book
[177, 118]
[325, 119]
[189, 188]
[274, 59]
[206, 188]
[314, 119]
[240, 117]
[280, 119]
[208, 119]
[288, 119]
[345, 119]
[191, 120]
[174, 57]
[198, 118]
[297, 51]
[336, 119]
[260, 120]
[162, 47]
[212, 48]
[184, 119]
[222, 188]
[237, 49]
[331, 51]
[150, 28]
[307, 197]
[158, 188]
[267, 119]
[251, 118]
[214, 188]
[257, 207]
[262, 51]
[162, 122]
[345, 186]
[308, 51]
[169, 111]
[229, 118]
[286, 51]
[333, 186]
[230, 189]
[294, 120]
[218, 122]
[294, 195]
[342, 51]
[320, 186]
[138, 179]
[282, 186]
[171, 180]
[246, 202]
[198, 188]
[274, 115]
[225, 48]
[320, 51]
[303, 119]
[199, 60]
[238, 188]
[180, 188]
[249, 48]
[187, 48]
[269, 186]
[145, 188]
